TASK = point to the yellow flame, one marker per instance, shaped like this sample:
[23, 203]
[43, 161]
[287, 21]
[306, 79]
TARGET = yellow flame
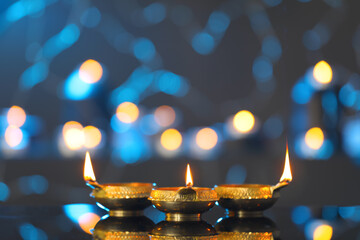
[88, 169]
[189, 180]
[286, 176]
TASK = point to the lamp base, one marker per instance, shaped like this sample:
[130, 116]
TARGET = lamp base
[182, 217]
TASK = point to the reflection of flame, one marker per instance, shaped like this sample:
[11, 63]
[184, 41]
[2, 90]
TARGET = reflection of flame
[88, 169]
[189, 180]
[286, 176]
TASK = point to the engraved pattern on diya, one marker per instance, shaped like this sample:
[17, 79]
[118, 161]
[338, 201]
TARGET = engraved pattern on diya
[245, 200]
[121, 199]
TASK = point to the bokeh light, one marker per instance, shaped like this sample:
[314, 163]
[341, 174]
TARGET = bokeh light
[127, 112]
[16, 116]
[87, 221]
[244, 121]
[203, 43]
[164, 115]
[322, 72]
[4, 192]
[13, 136]
[300, 214]
[74, 138]
[314, 138]
[171, 139]
[90, 71]
[206, 138]
[92, 136]
[323, 232]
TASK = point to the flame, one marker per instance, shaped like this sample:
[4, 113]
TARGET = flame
[88, 169]
[189, 180]
[286, 176]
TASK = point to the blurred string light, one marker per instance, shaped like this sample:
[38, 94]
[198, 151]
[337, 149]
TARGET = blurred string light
[16, 116]
[76, 136]
[314, 138]
[13, 136]
[127, 112]
[171, 139]
[244, 121]
[236, 174]
[206, 138]
[203, 43]
[322, 72]
[87, 221]
[301, 214]
[35, 184]
[154, 13]
[144, 49]
[30, 232]
[351, 139]
[149, 125]
[91, 17]
[23, 8]
[90, 71]
[318, 229]
[164, 115]
[4, 192]
[38, 72]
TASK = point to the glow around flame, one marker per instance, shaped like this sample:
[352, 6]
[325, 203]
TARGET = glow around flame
[88, 169]
[286, 176]
[189, 180]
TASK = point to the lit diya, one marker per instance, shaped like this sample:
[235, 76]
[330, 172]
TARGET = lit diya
[120, 199]
[184, 203]
[245, 200]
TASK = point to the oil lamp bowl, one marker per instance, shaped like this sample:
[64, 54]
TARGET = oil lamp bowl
[185, 230]
[137, 227]
[183, 204]
[123, 199]
[248, 200]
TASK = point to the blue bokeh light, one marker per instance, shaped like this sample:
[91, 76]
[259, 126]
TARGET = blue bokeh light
[329, 102]
[262, 69]
[260, 23]
[119, 126]
[76, 89]
[351, 138]
[155, 13]
[218, 22]
[4, 192]
[148, 125]
[271, 48]
[300, 214]
[35, 184]
[347, 212]
[236, 175]
[330, 212]
[302, 93]
[34, 75]
[74, 211]
[347, 95]
[30, 232]
[91, 17]
[203, 43]
[144, 49]
[172, 84]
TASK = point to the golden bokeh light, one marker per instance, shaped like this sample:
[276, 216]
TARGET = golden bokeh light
[244, 121]
[165, 115]
[74, 138]
[13, 136]
[90, 71]
[92, 137]
[314, 138]
[16, 116]
[189, 180]
[322, 72]
[70, 125]
[286, 176]
[127, 112]
[206, 138]
[323, 232]
[88, 221]
[89, 174]
[171, 139]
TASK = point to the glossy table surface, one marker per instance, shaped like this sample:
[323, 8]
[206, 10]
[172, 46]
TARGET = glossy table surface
[76, 221]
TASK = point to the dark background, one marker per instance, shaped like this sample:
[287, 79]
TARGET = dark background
[221, 83]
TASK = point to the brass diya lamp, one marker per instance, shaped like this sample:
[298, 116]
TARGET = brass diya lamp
[118, 228]
[246, 228]
[120, 199]
[183, 230]
[184, 203]
[245, 200]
